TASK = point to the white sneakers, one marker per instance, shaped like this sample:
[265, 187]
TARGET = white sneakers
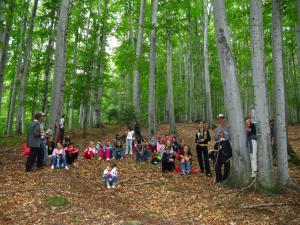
[52, 167]
[108, 187]
[66, 167]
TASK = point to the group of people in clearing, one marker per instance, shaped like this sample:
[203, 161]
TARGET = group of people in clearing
[163, 150]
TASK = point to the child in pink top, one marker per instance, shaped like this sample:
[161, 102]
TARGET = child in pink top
[58, 158]
[105, 151]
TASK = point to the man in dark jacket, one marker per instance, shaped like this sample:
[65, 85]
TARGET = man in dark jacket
[34, 142]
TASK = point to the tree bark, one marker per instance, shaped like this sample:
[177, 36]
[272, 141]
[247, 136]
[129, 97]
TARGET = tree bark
[3, 50]
[20, 117]
[265, 178]
[206, 66]
[139, 43]
[240, 172]
[59, 65]
[281, 141]
[170, 101]
[152, 72]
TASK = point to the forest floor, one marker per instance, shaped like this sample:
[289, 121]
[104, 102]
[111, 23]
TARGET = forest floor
[145, 195]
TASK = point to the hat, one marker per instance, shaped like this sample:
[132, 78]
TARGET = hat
[221, 116]
[43, 114]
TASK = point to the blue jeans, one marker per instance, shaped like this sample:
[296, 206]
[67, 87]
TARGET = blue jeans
[118, 154]
[185, 167]
[111, 182]
[128, 146]
[143, 157]
[58, 162]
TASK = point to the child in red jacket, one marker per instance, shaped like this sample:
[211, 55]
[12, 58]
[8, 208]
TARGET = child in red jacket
[71, 153]
[89, 152]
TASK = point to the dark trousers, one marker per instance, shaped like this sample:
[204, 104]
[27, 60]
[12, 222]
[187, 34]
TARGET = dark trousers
[168, 166]
[202, 155]
[218, 167]
[36, 154]
[71, 158]
[62, 134]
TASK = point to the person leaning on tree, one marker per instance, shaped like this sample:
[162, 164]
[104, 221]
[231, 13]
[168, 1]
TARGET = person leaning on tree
[34, 142]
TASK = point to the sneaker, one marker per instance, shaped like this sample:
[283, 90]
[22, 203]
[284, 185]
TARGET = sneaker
[113, 186]
[107, 159]
[66, 167]
[108, 187]
[114, 157]
[52, 167]
[208, 175]
[100, 158]
[121, 158]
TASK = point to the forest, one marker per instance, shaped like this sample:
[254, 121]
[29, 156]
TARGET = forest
[168, 64]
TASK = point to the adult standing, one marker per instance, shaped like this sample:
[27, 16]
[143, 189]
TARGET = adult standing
[34, 142]
[202, 138]
[252, 145]
[222, 126]
[137, 132]
[62, 128]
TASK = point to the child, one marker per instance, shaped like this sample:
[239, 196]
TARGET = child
[89, 152]
[152, 145]
[66, 141]
[110, 176]
[98, 146]
[71, 153]
[118, 151]
[129, 137]
[51, 145]
[184, 157]
[143, 153]
[135, 146]
[105, 151]
[168, 159]
[160, 148]
[224, 154]
[58, 158]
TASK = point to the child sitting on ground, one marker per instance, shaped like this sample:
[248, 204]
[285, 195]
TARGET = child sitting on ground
[105, 151]
[110, 176]
[118, 151]
[89, 152]
[58, 158]
[143, 153]
[98, 146]
[184, 155]
[160, 148]
[168, 159]
[71, 153]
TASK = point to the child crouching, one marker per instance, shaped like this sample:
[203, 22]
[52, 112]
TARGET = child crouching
[89, 152]
[184, 155]
[110, 176]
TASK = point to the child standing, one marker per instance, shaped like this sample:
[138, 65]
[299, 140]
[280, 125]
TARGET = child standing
[184, 156]
[89, 152]
[58, 158]
[129, 138]
[110, 176]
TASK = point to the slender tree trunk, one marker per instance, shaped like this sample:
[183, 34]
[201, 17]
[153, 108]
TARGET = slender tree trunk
[3, 51]
[139, 43]
[19, 68]
[20, 117]
[170, 101]
[191, 72]
[152, 72]
[298, 33]
[265, 178]
[187, 78]
[240, 172]
[280, 97]
[59, 65]
[127, 90]
[206, 66]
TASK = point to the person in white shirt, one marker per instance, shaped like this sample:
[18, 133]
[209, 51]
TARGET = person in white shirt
[62, 127]
[129, 138]
[110, 176]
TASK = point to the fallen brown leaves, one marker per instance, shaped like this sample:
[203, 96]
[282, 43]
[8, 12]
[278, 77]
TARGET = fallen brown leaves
[144, 194]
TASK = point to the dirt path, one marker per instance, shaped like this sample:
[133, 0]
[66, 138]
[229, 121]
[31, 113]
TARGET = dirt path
[169, 199]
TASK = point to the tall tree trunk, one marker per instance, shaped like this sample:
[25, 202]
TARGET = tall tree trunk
[20, 117]
[19, 68]
[298, 51]
[265, 178]
[280, 97]
[3, 50]
[191, 70]
[206, 66]
[59, 65]
[101, 64]
[138, 51]
[170, 101]
[152, 72]
[71, 105]
[49, 65]
[240, 173]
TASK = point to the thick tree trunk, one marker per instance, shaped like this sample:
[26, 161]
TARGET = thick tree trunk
[240, 172]
[139, 43]
[3, 49]
[170, 101]
[265, 178]
[59, 65]
[20, 117]
[206, 66]
[152, 72]
[280, 97]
